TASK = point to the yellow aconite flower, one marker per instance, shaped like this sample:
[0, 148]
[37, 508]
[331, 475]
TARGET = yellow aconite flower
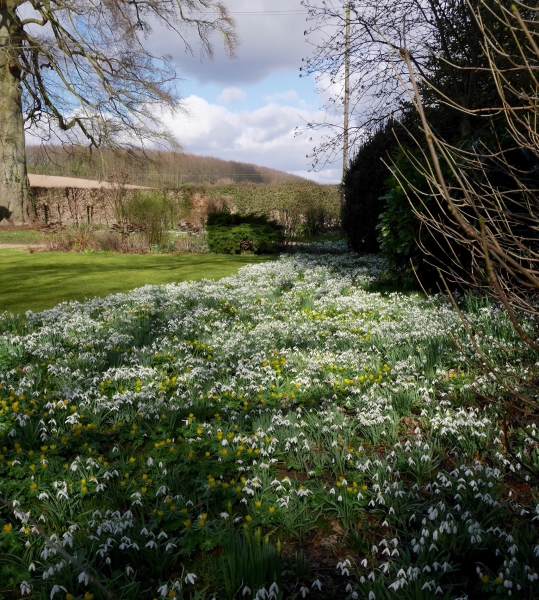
[33, 485]
[8, 527]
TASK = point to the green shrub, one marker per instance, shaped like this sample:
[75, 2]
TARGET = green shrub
[234, 234]
[412, 250]
[398, 227]
[154, 212]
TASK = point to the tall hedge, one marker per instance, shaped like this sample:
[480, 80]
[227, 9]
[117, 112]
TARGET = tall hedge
[364, 183]
[235, 234]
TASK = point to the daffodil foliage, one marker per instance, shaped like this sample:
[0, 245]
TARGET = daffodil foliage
[283, 433]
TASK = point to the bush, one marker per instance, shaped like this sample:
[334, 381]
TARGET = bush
[398, 226]
[366, 180]
[410, 248]
[234, 234]
[153, 211]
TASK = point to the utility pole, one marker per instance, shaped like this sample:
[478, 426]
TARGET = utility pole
[346, 106]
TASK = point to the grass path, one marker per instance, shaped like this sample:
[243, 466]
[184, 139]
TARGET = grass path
[41, 280]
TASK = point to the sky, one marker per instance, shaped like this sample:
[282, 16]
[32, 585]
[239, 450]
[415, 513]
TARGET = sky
[248, 108]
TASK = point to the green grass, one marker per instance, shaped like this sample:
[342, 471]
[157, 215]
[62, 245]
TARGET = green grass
[21, 236]
[42, 280]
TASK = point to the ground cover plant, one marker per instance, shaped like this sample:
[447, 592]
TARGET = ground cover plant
[281, 433]
[43, 279]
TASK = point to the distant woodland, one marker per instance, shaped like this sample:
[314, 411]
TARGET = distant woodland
[151, 168]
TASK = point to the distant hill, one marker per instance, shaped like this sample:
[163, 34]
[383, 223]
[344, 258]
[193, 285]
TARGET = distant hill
[152, 169]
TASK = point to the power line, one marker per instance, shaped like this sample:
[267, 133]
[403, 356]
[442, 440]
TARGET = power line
[258, 12]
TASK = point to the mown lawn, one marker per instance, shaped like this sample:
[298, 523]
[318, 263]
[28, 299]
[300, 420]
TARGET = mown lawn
[41, 280]
[12, 235]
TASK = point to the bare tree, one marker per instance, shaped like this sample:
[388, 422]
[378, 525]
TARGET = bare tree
[438, 33]
[83, 69]
[489, 191]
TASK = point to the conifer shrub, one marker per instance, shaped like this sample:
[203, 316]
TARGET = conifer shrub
[364, 184]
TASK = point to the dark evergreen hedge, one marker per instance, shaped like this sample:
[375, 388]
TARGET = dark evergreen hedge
[363, 186]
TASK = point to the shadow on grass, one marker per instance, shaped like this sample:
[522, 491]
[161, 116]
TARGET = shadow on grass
[42, 280]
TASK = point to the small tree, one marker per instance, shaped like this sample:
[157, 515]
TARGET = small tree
[83, 69]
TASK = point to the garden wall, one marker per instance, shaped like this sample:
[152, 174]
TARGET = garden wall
[309, 206]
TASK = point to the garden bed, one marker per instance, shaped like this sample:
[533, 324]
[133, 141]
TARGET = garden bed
[281, 429]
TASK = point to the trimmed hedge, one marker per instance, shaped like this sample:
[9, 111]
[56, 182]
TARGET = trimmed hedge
[235, 234]
[364, 183]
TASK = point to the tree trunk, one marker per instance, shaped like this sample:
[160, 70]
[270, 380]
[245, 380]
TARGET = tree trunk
[14, 188]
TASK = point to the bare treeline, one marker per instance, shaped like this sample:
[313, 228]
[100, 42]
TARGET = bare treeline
[151, 168]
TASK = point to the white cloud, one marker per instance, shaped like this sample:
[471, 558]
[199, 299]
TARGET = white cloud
[289, 96]
[265, 136]
[272, 40]
[230, 95]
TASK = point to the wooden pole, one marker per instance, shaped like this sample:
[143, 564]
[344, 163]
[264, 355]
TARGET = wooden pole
[346, 107]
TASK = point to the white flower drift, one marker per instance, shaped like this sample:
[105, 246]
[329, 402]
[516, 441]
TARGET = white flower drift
[177, 416]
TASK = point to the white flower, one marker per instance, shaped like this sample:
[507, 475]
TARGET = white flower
[317, 584]
[26, 588]
[56, 588]
[190, 578]
[163, 590]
